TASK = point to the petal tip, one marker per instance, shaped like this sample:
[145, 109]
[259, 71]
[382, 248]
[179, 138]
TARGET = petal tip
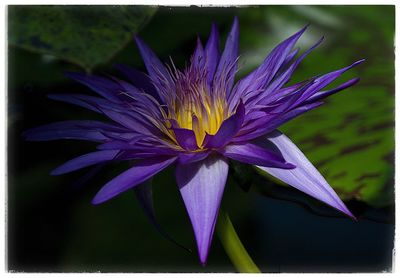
[97, 200]
[56, 172]
[203, 260]
[136, 38]
[348, 213]
[139, 42]
[359, 62]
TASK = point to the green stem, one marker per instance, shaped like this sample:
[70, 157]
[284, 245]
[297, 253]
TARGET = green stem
[233, 246]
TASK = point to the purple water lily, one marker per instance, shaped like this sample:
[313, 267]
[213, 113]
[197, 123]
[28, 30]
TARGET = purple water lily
[197, 119]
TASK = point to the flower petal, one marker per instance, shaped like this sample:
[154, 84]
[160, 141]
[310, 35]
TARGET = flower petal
[186, 138]
[228, 62]
[253, 154]
[259, 78]
[79, 130]
[284, 77]
[265, 125]
[103, 86]
[198, 57]
[190, 157]
[138, 79]
[133, 121]
[76, 100]
[139, 173]
[85, 161]
[212, 53]
[158, 72]
[305, 177]
[75, 134]
[324, 94]
[324, 80]
[201, 185]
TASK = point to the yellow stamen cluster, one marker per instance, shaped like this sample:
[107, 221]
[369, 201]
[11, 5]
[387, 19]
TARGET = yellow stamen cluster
[197, 109]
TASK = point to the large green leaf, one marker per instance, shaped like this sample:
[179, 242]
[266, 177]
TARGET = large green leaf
[84, 35]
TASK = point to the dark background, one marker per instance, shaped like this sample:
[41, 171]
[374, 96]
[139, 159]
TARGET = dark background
[51, 225]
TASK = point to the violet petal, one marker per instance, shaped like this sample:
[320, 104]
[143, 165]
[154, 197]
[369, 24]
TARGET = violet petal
[139, 173]
[85, 160]
[201, 185]
[212, 53]
[264, 126]
[158, 72]
[190, 157]
[323, 94]
[186, 138]
[138, 79]
[305, 177]
[103, 86]
[252, 154]
[229, 56]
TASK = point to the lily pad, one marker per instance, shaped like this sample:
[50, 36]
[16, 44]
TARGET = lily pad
[83, 35]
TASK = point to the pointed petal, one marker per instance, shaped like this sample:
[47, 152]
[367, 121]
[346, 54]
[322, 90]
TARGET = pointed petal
[253, 154]
[262, 76]
[75, 134]
[158, 72]
[324, 94]
[283, 78]
[76, 100]
[132, 121]
[103, 86]
[186, 138]
[305, 177]
[201, 185]
[198, 56]
[139, 173]
[324, 80]
[79, 130]
[228, 62]
[84, 161]
[138, 79]
[212, 53]
[266, 125]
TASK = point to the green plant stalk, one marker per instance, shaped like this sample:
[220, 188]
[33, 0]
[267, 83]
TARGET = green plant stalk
[233, 246]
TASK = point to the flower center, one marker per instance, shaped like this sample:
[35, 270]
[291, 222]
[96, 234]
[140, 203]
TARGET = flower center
[197, 106]
[202, 116]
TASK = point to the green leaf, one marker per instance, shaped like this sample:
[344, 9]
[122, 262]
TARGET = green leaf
[83, 35]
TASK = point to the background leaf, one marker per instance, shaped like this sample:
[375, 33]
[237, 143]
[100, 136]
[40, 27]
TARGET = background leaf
[84, 35]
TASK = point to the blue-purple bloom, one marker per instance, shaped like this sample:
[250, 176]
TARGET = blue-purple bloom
[197, 119]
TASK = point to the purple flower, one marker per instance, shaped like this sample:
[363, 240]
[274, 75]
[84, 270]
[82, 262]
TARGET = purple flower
[197, 119]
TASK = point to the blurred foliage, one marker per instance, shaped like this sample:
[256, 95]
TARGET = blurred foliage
[83, 35]
[350, 139]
